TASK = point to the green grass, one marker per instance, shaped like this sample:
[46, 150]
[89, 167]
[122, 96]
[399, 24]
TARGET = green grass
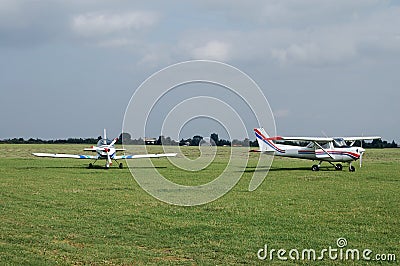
[56, 211]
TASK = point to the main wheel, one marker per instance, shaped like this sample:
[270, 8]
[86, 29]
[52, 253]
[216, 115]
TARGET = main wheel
[120, 166]
[315, 167]
[90, 166]
[352, 168]
[339, 167]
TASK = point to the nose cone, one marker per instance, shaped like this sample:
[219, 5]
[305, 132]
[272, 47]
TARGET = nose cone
[360, 150]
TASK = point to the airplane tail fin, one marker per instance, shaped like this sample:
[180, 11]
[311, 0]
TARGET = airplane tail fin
[105, 136]
[262, 139]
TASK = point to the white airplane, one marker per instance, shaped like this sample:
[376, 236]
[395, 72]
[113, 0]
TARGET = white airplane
[322, 149]
[105, 149]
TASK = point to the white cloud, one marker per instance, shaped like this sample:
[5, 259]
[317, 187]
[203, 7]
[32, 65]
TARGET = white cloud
[310, 32]
[316, 54]
[98, 23]
[213, 49]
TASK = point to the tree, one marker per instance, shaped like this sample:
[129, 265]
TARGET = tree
[246, 142]
[393, 145]
[196, 140]
[124, 137]
[161, 140]
[185, 142]
[214, 137]
[223, 142]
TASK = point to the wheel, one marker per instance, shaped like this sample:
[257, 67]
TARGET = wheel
[90, 166]
[121, 166]
[315, 167]
[352, 168]
[339, 167]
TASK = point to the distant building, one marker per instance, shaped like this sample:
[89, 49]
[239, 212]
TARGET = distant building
[150, 141]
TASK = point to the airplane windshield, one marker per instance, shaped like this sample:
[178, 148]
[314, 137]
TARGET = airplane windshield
[104, 142]
[339, 143]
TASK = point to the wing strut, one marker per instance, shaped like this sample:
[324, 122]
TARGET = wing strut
[316, 143]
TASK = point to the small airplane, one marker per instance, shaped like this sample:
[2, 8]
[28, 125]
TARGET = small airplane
[105, 149]
[322, 149]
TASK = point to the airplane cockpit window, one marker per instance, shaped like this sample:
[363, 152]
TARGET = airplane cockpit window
[339, 143]
[310, 145]
[325, 145]
[102, 142]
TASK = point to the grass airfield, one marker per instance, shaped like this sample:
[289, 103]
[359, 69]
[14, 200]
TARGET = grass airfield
[56, 211]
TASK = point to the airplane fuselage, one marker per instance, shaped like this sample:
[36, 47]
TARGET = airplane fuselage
[331, 154]
[103, 150]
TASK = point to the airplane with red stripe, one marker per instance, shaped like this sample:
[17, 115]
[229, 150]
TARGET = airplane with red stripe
[323, 149]
[105, 150]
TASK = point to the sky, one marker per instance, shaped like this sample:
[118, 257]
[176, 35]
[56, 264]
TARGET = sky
[69, 68]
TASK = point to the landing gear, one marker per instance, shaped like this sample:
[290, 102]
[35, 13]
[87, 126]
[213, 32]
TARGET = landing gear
[338, 167]
[106, 166]
[315, 168]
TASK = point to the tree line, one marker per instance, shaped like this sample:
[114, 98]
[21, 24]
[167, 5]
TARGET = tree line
[194, 141]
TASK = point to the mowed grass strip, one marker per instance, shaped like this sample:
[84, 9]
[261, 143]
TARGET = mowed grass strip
[58, 211]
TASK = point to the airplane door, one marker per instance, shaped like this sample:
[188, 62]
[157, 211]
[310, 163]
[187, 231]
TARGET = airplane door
[321, 154]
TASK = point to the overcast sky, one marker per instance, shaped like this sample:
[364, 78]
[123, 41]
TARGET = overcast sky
[69, 68]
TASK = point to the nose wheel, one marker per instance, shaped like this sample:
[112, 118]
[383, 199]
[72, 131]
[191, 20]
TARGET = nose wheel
[120, 166]
[315, 167]
[352, 168]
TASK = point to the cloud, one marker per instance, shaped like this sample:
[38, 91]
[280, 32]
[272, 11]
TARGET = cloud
[315, 54]
[213, 49]
[309, 32]
[104, 23]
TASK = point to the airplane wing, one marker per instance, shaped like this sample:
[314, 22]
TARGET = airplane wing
[62, 155]
[323, 139]
[360, 138]
[139, 156]
[314, 139]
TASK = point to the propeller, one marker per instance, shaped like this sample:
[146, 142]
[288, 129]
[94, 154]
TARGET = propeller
[108, 149]
[361, 150]
[109, 161]
[113, 142]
